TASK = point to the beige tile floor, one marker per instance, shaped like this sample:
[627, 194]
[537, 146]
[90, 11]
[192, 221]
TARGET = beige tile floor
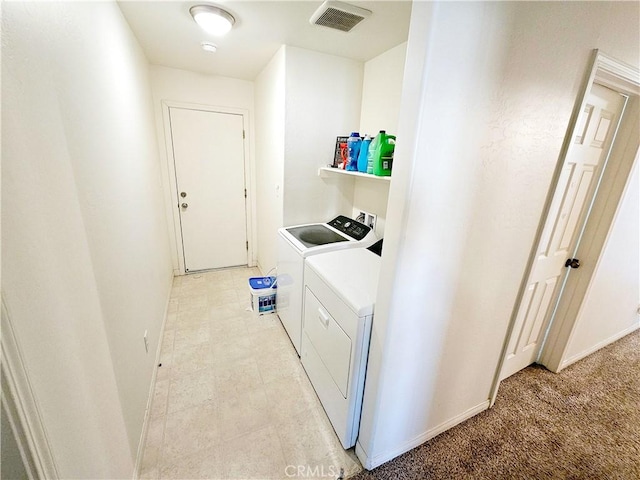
[232, 400]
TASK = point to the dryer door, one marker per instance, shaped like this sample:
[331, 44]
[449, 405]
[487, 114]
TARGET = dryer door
[329, 340]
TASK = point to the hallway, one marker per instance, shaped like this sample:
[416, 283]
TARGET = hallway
[232, 400]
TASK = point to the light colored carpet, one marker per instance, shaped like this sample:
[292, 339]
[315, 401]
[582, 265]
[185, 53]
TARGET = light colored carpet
[582, 423]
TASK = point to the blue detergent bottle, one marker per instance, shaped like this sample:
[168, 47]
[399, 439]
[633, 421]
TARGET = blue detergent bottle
[363, 155]
[353, 150]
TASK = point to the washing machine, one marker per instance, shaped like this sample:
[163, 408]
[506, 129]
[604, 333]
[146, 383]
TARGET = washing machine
[340, 293]
[297, 243]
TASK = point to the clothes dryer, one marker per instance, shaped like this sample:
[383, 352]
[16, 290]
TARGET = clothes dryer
[298, 242]
[340, 294]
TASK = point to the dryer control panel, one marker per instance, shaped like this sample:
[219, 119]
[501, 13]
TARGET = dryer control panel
[350, 227]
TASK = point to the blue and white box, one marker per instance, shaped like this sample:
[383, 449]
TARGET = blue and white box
[263, 294]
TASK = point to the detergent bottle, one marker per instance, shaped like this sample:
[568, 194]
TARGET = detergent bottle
[380, 159]
[353, 146]
[364, 152]
[371, 154]
[383, 161]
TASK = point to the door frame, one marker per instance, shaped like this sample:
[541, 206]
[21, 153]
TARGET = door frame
[171, 190]
[21, 406]
[623, 78]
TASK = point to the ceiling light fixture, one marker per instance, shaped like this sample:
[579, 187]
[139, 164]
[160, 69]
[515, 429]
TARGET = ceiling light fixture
[209, 47]
[213, 20]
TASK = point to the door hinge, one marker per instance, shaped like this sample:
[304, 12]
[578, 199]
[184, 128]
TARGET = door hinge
[243, 134]
[247, 244]
[245, 193]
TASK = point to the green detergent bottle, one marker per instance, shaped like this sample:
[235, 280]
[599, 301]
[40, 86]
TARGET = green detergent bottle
[374, 146]
[381, 150]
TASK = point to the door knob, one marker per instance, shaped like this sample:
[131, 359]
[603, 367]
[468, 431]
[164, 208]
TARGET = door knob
[572, 262]
[184, 205]
[183, 194]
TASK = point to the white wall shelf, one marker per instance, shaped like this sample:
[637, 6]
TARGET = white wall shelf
[328, 171]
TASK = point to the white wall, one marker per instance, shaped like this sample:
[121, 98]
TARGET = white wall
[322, 101]
[381, 91]
[499, 81]
[171, 84]
[371, 196]
[299, 113]
[610, 308]
[270, 114]
[86, 265]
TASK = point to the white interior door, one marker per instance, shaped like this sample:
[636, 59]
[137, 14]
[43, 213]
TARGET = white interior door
[561, 233]
[208, 153]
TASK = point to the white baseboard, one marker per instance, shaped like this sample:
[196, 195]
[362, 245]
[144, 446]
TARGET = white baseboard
[152, 389]
[598, 346]
[372, 462]
[362, 456]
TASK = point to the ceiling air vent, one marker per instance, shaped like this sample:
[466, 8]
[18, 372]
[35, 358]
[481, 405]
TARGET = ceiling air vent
[339, 16]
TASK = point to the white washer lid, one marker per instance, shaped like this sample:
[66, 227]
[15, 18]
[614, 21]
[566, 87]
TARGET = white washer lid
[352, 274]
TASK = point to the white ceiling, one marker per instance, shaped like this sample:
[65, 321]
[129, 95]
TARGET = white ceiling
[170, 37]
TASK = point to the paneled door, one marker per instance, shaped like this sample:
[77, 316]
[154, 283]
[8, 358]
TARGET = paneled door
[568, 212]
[208, 154]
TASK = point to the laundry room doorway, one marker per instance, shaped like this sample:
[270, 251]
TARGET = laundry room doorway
[575, 188]
[208, 166]
[597, 157]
